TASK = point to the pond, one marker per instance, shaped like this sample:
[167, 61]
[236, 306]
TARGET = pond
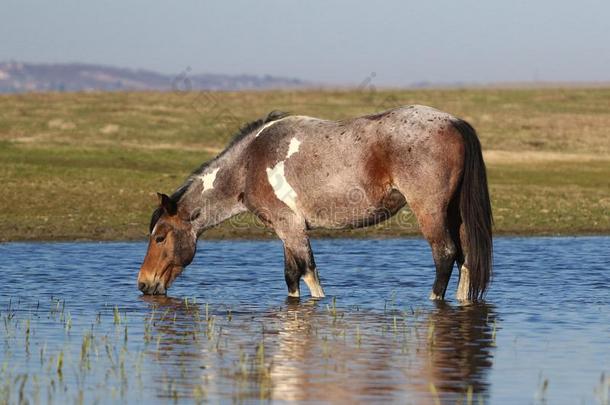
[76, 329]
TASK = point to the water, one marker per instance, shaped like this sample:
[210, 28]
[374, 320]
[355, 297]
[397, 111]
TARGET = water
[75, 328]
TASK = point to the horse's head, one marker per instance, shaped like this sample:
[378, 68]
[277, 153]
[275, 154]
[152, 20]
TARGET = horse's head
[171, 247]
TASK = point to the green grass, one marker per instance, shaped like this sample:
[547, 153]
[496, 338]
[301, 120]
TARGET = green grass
[87, 165]
[551, 197]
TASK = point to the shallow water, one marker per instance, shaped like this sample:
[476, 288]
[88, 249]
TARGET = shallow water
[75, 328]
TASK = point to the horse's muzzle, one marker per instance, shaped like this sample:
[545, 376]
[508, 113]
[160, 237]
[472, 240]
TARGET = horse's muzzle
[154, 288]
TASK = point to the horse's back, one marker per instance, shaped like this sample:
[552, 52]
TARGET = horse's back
[345, 173]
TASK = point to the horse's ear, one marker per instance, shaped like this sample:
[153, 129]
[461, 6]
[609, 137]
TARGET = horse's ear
[167, 204]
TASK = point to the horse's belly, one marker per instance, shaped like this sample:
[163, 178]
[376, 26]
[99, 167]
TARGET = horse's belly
[354, 209]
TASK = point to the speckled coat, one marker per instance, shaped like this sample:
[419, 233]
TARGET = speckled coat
[297, 173]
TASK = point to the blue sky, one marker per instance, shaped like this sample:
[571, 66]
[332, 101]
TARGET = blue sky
[334, 42]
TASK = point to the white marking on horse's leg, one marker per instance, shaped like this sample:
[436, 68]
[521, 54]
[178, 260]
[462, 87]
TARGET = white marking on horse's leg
[464, 284]
[313, 283]
[208, 179]
[282, 189]
[295, 294]
[293, 147]
[435, 297]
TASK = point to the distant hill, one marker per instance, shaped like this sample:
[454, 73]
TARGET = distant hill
[17, 77]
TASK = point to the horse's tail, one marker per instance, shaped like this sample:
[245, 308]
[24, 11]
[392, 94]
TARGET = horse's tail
[475, 210]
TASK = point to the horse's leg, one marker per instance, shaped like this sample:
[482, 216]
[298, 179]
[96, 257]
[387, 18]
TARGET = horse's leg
[299, 262]
[457, 230]
[430, 184]
[312, 280]
[444, 253]
[294, 268]
[464, 283]
[434, 224]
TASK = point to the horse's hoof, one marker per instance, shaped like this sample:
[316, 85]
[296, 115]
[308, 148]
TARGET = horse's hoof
[435, 297]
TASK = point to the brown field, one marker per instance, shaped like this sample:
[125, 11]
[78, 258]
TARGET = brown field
[87, 165]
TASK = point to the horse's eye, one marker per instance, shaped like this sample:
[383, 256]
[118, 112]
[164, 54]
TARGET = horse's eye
[160, 238]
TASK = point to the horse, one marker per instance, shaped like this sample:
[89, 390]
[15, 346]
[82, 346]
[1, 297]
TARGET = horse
[297, 173]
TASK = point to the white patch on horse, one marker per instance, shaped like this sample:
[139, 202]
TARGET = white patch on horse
[208, 179]
[282, 189]
[293, 147]
[464, 284]
[295, 294]
[435, 297]
[267, 125]
[313, 283]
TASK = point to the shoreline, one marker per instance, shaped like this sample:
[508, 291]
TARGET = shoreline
[319, 237]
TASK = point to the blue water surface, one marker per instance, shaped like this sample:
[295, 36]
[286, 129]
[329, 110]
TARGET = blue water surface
[75, 328]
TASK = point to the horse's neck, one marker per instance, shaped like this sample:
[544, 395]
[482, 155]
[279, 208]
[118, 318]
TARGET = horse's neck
[212, 196]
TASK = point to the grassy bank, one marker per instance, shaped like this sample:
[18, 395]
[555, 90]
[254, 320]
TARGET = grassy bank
[87, 166]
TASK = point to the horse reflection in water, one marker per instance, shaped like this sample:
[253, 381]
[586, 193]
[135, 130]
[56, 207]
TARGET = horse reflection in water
[314, 352]
[439, 356]
[456, 353]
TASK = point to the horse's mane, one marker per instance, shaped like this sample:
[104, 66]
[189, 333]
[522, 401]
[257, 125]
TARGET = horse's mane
[252, 126]
[238, 137]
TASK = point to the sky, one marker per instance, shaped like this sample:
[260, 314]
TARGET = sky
[335, 42]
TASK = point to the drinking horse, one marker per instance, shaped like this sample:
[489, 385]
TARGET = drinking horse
[297, 173]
